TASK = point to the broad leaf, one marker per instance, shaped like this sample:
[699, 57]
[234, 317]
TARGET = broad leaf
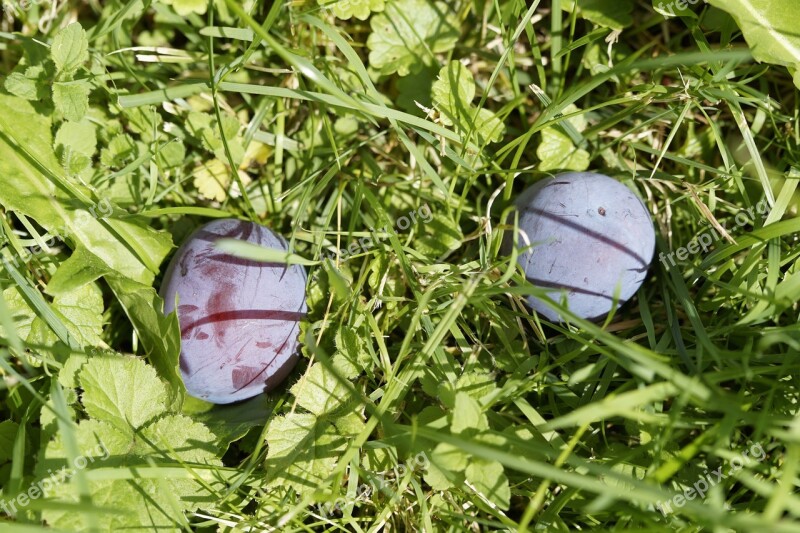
[557, 152]
[70, 49]
[20, 85]
[123, 391]
[319, 392]
[489, 479]
[407, 34]
[770, 28]
[32, 183]
[614, 14]
[467, 414]
[452, 94]
[71, 98]
[303, 450]
[360, 9]
[81, 311]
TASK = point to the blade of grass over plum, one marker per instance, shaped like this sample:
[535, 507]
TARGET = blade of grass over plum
[255, 252]
[208, 212]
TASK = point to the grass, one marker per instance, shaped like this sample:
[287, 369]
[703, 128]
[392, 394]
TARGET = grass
[524, 424]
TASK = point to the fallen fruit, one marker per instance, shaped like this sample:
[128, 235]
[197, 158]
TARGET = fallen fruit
[239, 319]
[590, 234]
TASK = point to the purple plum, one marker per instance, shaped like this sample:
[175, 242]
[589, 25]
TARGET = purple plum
[590, 235]
[239, 319]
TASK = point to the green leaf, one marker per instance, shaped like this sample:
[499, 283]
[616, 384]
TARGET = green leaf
[123, 391]
[452, 94]
[416, 88]
[319, 392]
[120, 149]
[81, 311]
[477, 384]
[467, 414]
[71, 99]
[557, 152]
[32, 183]
[70, 49]
[360, 9]
[160, 335]
[75, 144]
[489, 479]
[351, 358]
[441, 235]
[614, 14]
[178, 437]
[81, 268]
[68, 375]
[172, 154]
[136, 501]
[304, 450]
[489, 127]
[407, 34]
[187, 7]
[79, 137]
[21, 313]
[208, 130]
[20, 85]
[453, 91]
[230, 422]
[450, 458]
[769, 27]
[213, 180]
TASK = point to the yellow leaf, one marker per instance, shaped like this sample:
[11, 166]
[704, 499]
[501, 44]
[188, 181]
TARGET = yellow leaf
[213, 179]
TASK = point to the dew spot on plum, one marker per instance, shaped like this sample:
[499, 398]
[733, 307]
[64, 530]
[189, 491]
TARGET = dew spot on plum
[264, 344]
[201, 335]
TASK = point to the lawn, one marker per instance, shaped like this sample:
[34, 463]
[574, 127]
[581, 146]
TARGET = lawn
[386, 141]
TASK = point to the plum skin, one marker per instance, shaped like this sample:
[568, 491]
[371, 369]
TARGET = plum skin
[589, 233]
[239, 319]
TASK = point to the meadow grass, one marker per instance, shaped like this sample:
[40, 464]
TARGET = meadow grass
[585, 425]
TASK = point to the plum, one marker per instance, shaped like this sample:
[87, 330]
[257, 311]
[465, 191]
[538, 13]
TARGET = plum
[239, 318]
[590, 234]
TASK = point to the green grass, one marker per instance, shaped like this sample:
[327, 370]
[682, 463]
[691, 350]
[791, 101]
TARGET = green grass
[422, 343]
